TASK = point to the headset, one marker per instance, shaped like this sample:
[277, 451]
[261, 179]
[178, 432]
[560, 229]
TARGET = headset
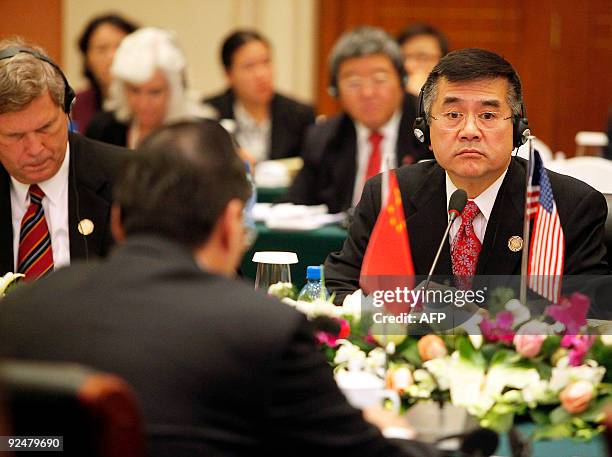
[520, 126]
[69, 94]
[69, 98]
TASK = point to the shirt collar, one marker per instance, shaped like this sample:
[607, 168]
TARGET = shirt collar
[244, 119]
[52, 187]
[485, 200]
[388, 130]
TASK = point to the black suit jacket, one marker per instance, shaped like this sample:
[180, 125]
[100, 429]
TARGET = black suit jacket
[93, 168]
[582, 211]
[290, 119]
[330, 159]
[218, 368]
[105, 127]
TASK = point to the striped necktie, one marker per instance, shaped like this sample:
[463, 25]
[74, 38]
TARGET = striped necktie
[35, 256]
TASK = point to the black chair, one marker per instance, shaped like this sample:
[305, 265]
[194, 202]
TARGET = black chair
[96, 413]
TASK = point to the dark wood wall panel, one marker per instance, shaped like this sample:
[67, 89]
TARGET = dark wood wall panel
[562, 50]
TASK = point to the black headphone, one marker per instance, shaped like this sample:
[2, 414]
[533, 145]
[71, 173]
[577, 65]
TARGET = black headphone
[520, 126]
[69, 95]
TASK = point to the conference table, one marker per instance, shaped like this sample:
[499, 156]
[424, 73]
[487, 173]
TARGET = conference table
[311, 247]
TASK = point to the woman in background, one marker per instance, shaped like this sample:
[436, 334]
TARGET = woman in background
[148, 89]
[267, 124]
[98, 43]
[422, 46]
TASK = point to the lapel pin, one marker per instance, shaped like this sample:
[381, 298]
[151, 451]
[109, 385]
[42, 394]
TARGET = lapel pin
[86, 227]
[515, 243]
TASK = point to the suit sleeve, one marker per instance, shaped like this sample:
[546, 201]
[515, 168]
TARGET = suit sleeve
[584, 232]
[303, 191]
[342, 268]
[307, 409]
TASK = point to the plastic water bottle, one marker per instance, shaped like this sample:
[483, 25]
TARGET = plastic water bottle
[314, 285]
[247, 212]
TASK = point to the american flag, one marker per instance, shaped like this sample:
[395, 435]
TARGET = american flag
[547, 250]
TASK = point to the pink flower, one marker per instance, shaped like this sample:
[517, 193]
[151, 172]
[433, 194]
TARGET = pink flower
[431, 347]
[571, 312]
[528, 345]
[500, 329]
[330, 339]
[575, 398]
[580, 345]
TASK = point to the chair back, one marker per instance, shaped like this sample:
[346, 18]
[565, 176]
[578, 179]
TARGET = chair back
[96, 413]
[595, 171]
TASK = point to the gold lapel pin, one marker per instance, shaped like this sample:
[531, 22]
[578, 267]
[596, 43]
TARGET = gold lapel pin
[86, 227]
[515, 243]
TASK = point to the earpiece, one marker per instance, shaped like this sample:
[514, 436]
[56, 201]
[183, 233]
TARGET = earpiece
[520, 128]
[420, 126]
[69, 94]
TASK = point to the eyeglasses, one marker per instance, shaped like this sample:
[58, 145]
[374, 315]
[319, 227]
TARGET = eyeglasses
[487, 120]
[356, 83]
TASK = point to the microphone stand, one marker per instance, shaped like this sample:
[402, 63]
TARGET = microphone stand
[451, 218]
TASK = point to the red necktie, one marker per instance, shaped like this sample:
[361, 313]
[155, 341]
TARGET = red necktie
[35, 257]
[466, 247]
[375, 155]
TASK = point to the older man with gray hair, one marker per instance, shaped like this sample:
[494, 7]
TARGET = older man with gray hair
[371, 135]
[55, 186]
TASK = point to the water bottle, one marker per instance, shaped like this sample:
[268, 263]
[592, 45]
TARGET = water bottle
[314, 285]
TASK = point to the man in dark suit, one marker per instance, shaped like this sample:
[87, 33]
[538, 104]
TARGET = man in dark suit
[74, 173]
[373, 134]
[473, 118]
[219, 368]
[268, 124]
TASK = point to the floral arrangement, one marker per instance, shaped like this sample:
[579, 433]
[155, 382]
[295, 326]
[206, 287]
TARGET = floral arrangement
[7, 281]
[501, 368]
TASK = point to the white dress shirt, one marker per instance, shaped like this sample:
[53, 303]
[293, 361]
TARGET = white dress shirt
[251, 135]
[388, 155]
[484, 201]
[55, 205]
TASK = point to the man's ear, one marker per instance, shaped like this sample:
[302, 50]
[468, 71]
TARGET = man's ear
[116, 226]
[232, 226]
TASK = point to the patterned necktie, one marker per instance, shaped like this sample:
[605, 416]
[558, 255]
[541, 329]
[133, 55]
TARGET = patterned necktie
[35, 256]
[375, 155]
[465, 248]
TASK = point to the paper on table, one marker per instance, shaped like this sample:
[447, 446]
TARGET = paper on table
[286, 216]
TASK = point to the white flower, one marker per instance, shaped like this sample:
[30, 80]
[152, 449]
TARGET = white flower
[606, 339]
[350, 355]
[375, 362]
[562, 374]
[351, 306]
[7, 280]
[441, 370]
[535, 327]
[537, 392]
[519, 311]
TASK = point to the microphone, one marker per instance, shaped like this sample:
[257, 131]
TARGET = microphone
[456, 204]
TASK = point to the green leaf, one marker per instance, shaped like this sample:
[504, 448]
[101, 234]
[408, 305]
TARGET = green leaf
[549, 346]
[553, 432]
[468, 354]
[410, 353]
[559, 415]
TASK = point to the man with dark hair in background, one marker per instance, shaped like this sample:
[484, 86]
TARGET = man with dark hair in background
[219, 368]
[55, 186]
[373, 134]
[473, 118]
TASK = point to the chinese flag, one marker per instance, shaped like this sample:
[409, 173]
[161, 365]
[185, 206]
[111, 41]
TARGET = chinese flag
[387, 262]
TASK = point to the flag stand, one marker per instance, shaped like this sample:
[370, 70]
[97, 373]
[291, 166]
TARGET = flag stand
[526, 220]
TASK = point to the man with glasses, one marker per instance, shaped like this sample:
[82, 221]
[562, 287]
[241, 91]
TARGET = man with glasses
[371, 135]
[218, 368]
[472, 117]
